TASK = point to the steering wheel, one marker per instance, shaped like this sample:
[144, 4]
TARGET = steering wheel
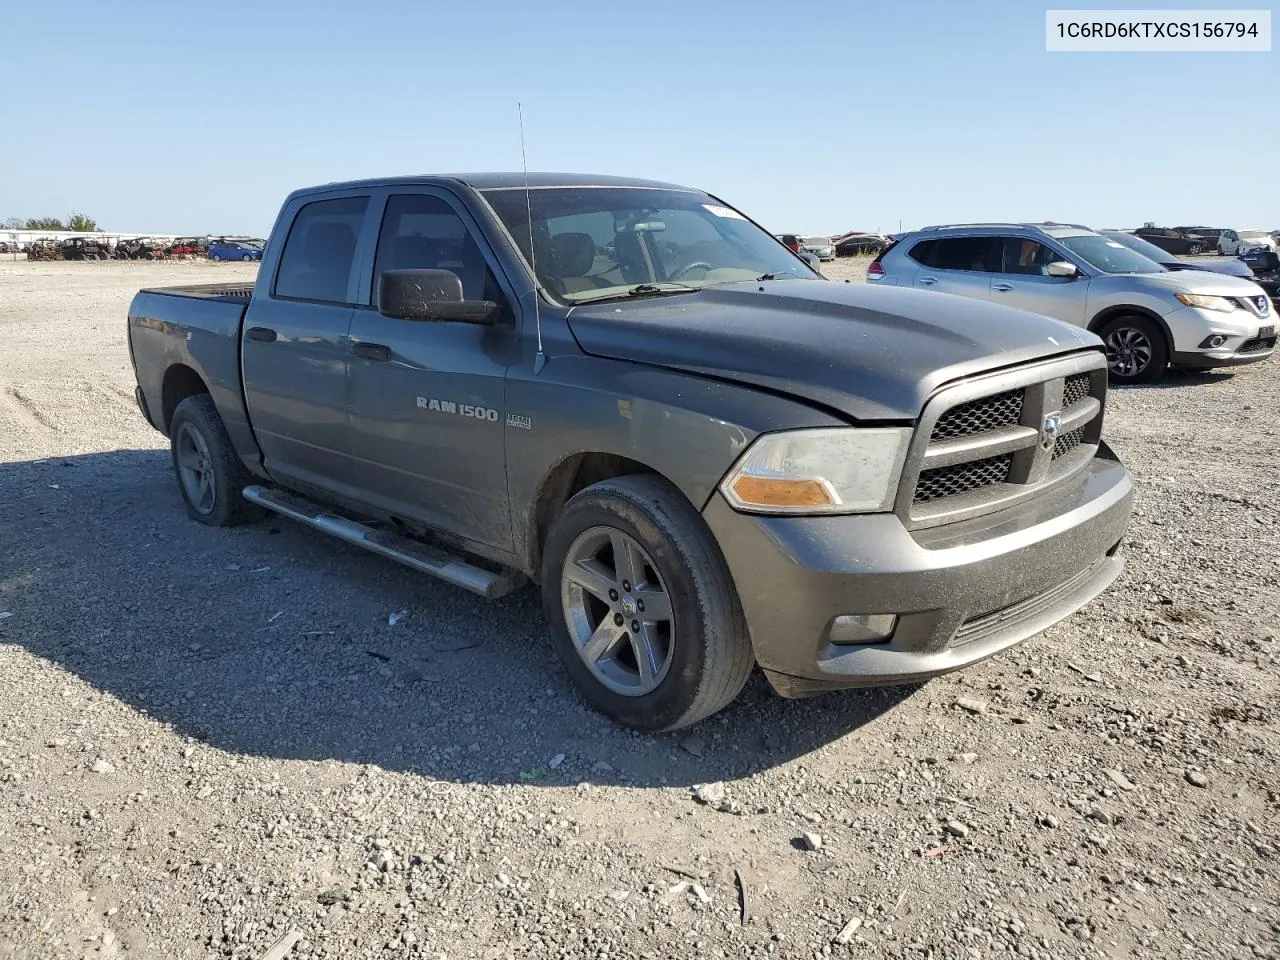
[686, 268]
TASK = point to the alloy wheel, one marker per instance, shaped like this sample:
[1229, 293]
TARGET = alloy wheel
[618, 611]
[195, 469]
[1128, 351]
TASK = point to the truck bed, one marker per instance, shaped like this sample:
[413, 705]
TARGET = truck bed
[186, 333]
[206, 291]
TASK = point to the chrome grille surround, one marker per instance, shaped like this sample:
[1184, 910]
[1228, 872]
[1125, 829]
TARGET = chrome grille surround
[951, 478]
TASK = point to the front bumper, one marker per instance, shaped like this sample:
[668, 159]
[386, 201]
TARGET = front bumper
[1190, 326]
[962, 592]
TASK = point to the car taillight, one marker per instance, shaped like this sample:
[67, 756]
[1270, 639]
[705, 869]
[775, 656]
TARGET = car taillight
[875, 270]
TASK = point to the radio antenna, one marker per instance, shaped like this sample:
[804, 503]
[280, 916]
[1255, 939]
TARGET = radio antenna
[540, 358]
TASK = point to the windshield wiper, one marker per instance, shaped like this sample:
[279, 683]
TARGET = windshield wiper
[645, 290]
[780, 273]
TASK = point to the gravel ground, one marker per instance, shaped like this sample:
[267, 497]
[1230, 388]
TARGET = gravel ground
[215, 739]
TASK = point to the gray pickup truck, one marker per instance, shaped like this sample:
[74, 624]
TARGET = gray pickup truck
[630, 393]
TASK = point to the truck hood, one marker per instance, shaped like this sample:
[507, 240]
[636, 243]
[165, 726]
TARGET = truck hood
[872, 353]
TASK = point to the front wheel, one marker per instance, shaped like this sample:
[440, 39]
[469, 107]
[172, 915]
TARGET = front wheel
[1137, 351]
[642, 609]
[211, 475]
[1195, 248]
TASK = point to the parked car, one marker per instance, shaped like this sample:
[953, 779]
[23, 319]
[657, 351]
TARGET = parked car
[859, 244]
[1174, 241]
[85, 248]
[793, 243]
[1149, 317]
[1229, 266]
[1233, 243]
[820, 247]
[233, 250]
[184, 247]
[1209, 234]
[139, 248]
[704, 454]
[1266, 273]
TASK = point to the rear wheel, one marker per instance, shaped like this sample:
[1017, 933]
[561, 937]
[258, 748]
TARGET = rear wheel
[247, 257]
[1137, 351]
[210, 473]
[642, 609]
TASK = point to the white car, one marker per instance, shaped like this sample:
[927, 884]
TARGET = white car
[820, 247]
[1232, 243]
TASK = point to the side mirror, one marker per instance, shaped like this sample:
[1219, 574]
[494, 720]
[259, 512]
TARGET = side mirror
[1061, 268]
[430, 295]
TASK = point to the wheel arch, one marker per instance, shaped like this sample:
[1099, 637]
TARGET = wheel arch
[180, 382]
[1111, 313]
[562, 480]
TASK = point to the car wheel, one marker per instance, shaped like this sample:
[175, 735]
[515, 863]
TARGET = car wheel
[642, 609]
[1136, 349]
[1195, 248]
[210, 473]
[247, 257]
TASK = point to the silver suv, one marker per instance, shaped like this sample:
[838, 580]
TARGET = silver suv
[1148, 316]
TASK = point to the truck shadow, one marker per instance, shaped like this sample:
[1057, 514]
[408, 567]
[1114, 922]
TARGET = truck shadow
[275, 641]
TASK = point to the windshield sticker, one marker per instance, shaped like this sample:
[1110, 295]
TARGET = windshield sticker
[1112, 243]
[720, 211]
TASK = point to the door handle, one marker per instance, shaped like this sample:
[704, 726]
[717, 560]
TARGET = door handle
[371, 351]
[261, 334]
[1002, 287]
[927, 281]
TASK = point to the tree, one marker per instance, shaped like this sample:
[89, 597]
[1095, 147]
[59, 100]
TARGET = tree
[15, 223]
[45, 223]
[78, 221]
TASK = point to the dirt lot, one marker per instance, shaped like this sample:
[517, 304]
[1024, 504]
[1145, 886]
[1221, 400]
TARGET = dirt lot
[209, 738]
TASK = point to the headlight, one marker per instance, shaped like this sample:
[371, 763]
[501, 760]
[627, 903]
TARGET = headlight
[1221, 304]
[835, 470]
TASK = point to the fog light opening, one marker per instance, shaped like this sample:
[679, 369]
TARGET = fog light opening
[862, 628]
[1214, 340]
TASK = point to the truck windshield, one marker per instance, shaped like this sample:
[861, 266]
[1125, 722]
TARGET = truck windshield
[600, 243]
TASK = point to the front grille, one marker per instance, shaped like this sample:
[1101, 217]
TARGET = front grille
[980, 627]
[1074, 390]
[1257, 344]
[987, 449]
[1067, 442]
[979, 416]
[948, 481]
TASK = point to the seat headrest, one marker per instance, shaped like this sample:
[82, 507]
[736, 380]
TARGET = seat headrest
[573, 253]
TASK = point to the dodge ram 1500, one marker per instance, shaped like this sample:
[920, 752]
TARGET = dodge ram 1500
[707, 456]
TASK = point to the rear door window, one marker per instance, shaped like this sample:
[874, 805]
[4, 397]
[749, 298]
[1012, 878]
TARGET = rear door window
[975, 254]
[319, 253]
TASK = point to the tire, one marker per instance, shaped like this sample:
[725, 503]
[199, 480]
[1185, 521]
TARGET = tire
[1195, 248]
[1137, 351]
[196, 434]
[704, 645]
[247, 257]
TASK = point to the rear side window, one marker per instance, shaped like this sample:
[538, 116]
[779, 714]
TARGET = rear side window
[320, 251]
[977, 254]
[922, 252]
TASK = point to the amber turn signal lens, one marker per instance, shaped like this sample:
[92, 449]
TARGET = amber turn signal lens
[774, 492]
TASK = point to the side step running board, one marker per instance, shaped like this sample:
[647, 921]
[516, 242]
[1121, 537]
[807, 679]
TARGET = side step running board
[421, 556]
